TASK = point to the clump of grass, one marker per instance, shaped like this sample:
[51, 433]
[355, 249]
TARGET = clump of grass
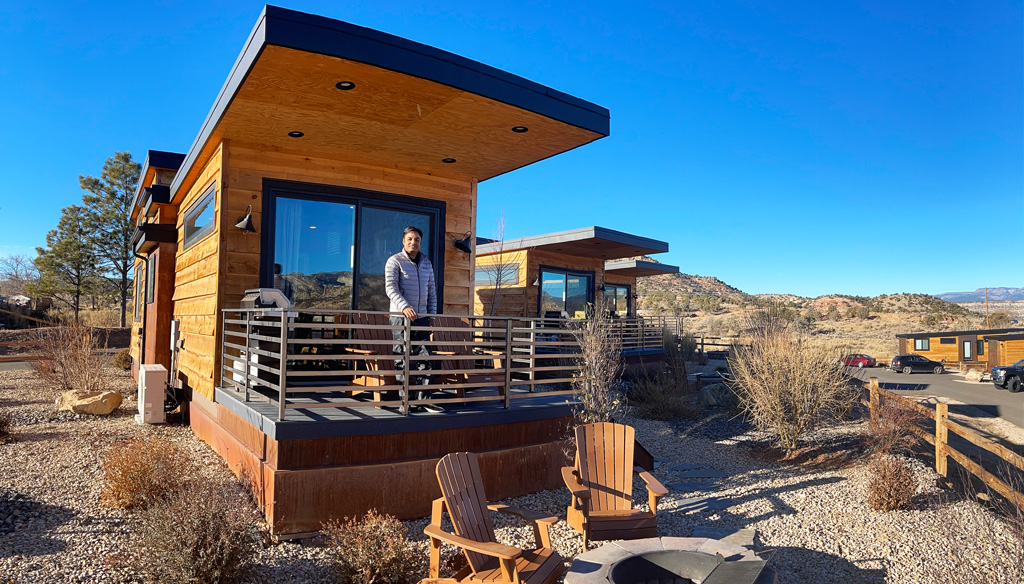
[139, 473]
[891, 485]
[205, 534]
[371, 550]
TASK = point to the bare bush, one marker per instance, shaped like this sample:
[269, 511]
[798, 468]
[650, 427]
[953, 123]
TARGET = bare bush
[69, 357]
[6, 428]
[659, 397]
[599, 364]
[889, 431]
[205, 534]
[139, 473]
[371, 550]
[122, 360]
[891, 484]
[785, 385]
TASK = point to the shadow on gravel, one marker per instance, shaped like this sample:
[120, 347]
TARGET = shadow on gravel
[29, 522]
[718, 426]
[890, 386]
[794, 565]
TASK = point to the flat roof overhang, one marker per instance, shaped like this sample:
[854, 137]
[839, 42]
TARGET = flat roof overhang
[154, 159]
[1018, 336]
[148, 235]
[593, 242]
[982, 332]
[638, 268]
[411, 106]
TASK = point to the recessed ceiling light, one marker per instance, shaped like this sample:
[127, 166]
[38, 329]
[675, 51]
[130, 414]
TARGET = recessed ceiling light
[312, 226]
[345, 85]
[296, 134]
[520, 129]
[448, 160]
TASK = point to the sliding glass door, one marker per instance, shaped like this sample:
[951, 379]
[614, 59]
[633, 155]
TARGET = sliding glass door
[325, 247]
[564, 291]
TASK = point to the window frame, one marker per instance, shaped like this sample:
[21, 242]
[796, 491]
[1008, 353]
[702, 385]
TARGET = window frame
[922, 344]
[979, 349]
[139, 293]
[947, 340]
[150, 278]
[507, 277]
[209, 197]
[629, 296]
[567, 272]
[274, 188]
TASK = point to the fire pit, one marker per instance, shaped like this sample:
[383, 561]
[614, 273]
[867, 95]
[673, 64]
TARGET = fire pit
[669, 560]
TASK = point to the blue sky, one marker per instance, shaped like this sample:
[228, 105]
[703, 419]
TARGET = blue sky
[805, 148]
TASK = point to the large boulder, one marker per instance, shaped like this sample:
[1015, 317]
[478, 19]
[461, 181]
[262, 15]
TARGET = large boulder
[716, 395]
[97, 403]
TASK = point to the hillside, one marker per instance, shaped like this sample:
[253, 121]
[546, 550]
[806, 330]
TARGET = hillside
[994, 295]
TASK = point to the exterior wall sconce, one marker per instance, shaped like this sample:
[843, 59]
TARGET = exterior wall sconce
[245, 223]
[464, 245]
[601, 288]
[536, 282]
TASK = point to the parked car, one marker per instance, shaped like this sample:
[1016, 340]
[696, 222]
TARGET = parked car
[914, 362]
[1009, 377]
[859, 360]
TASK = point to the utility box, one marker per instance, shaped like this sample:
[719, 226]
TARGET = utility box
[152, 385]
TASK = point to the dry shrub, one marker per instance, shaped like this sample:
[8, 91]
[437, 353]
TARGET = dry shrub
[139, 473]
[599, 363]
[786, 385]
[891, 484]
[658, 397]
[6, 428]
[371, 550]
[70, 358]
[122, 360]
[204, 535]
[889, 432]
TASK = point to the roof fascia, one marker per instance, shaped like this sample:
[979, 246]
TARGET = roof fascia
[319, 34]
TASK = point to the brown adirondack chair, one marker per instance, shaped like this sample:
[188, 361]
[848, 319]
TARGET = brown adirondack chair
[602, 485]
[488, 561]
[463, 356]
[387, 359]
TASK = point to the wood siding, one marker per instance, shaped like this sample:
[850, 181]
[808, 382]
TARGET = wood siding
[196, 279]
[1011, 351]
[938, 351]
[521, 299]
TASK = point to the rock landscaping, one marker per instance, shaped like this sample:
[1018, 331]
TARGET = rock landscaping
[809, 514]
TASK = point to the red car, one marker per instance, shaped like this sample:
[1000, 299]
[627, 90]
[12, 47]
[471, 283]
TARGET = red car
[859, 360]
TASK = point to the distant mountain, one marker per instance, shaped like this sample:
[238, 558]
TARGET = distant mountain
[994, 295]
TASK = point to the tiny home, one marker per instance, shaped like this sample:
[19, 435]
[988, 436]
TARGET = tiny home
[966, 347]
[1005, 349]
[326, 140]
[561, 273]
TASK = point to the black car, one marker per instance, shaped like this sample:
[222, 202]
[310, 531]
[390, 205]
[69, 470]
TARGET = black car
[914, 362]
[1009, 377]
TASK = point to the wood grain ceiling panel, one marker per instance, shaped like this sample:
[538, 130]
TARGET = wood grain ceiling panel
[389, 118]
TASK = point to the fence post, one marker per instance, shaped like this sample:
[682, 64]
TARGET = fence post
[283, 377]
[407, 324]
[873, 391]
[941, 436]
[508, 362]
[248, 345]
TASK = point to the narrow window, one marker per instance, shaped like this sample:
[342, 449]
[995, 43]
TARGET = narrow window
[150, 276]
[140, 279]
[506, 273]
[947, 341]
[981, 348]
[199, 218]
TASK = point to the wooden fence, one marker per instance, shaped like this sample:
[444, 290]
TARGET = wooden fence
[940, 439]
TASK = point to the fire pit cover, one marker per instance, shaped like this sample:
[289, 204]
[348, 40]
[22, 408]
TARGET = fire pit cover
[683, 567]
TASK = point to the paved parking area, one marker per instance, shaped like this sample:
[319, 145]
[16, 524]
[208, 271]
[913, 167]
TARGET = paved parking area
[984, 396]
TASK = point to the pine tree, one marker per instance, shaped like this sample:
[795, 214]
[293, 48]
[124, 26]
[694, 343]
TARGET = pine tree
[108, 221]
[67, 263]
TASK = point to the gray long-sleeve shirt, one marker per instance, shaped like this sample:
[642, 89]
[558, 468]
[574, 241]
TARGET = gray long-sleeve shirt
[410, 284]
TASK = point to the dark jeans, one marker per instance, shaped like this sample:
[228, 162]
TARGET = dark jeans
[423, 350]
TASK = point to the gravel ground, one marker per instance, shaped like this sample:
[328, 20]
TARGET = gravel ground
[54, 529]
